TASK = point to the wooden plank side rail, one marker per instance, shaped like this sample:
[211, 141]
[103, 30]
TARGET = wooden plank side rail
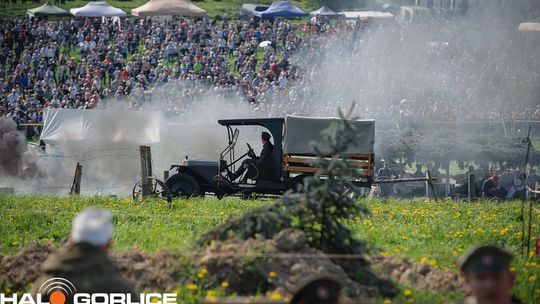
[302, 163]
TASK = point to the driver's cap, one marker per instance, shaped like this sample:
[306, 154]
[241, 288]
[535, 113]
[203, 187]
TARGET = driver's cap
[265, 136]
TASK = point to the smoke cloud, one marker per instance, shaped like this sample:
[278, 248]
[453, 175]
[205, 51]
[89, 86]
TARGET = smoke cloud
[12, 148]
[471, 67]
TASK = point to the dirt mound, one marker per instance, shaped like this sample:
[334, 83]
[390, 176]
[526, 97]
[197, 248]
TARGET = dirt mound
[418, 275]
[157, 271]
[280, 264]
[23, 268]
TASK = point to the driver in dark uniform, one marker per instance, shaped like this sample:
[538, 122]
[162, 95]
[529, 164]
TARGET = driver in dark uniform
[256, 166]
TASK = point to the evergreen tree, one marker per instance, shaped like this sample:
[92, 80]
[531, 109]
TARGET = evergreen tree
[323, 206]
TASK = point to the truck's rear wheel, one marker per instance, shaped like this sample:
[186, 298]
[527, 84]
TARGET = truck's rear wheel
[183, 185]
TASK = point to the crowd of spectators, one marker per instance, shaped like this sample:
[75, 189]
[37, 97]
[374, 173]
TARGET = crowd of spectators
[306, 68]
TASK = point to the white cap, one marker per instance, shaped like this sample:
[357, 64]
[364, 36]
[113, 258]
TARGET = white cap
[93, 226]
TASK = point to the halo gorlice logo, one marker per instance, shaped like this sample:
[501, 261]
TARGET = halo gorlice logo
[57, 290]
[62, 291]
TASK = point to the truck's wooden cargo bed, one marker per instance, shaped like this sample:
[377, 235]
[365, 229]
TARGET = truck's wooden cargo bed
[301, 163]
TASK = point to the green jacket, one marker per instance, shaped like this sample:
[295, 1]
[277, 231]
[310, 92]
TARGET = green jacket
[87, 267]
[472, 300]
[265, 163]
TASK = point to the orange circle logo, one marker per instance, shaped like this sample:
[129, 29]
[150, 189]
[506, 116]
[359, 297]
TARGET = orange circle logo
[57, 289]
[57, 297]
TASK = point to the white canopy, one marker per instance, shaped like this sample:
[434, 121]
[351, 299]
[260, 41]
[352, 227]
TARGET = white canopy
[108, 128]
[324, 11]
[367, 14]
[533, 25]
[97, 9]
[47, 10]
[169, 8]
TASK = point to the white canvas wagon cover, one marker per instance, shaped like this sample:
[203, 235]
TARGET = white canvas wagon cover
[300, 131]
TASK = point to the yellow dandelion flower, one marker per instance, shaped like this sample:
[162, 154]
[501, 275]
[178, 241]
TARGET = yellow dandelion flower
[532, 278]
[224, 284]
[387, 301]
[407, 292]
[192, 287]
[276, 296]
[153, 300]
[272, 274]
[200, 275]
[211, 299]
[203, 270]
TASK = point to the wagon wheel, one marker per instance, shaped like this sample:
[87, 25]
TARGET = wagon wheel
[158, 189]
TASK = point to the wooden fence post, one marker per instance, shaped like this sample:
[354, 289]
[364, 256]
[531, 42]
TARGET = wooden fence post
[76, 186]
[146, 169]
[431, 186]
[471, 187]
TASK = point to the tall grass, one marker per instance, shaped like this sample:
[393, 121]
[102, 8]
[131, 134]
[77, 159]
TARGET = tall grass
[432, 232]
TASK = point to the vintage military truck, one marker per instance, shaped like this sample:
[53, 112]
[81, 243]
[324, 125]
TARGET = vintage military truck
[291, 159]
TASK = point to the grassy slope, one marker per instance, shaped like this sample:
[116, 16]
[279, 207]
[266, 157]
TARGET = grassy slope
[436, 233]
[223, 8]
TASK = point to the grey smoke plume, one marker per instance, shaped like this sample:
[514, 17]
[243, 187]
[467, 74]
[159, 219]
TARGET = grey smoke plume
[469, 65]
[12, 148]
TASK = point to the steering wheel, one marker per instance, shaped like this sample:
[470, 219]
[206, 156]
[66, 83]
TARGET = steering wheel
[251, 153]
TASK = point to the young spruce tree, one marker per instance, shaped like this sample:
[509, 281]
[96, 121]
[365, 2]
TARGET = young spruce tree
[328, 198]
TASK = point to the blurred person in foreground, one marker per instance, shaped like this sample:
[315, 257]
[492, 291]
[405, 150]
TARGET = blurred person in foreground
[320, 290]
[486, 270]
[83, 259]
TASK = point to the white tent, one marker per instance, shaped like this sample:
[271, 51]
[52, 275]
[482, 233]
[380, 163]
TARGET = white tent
[367, 14]
[47, 10]
[98, 126]
[168, 8]
[97, 9]
[533, 26]
[325, 12]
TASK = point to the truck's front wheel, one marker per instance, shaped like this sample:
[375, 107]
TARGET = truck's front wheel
[183, 185]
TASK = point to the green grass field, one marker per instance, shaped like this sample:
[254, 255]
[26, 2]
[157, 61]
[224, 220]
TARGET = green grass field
[225, 8]
[436, 233]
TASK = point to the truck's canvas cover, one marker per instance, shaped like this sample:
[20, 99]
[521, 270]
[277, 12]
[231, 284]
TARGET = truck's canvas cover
[300, 131]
